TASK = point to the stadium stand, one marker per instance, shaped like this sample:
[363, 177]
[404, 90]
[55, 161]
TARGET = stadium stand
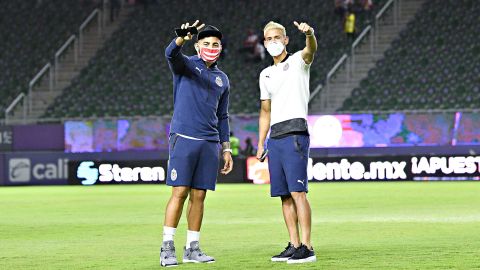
[434, 64]
[30, 32]
[130, 76]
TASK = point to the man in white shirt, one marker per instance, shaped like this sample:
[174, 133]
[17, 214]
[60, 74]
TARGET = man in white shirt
[284, 94]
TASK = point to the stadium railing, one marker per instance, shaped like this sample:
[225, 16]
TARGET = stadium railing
[339, 63]
[33, 82]
[17, 100]
[370, 32]
[95, 14]
[61, 51]
[53, 69]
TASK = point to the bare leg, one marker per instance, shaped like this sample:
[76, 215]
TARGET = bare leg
[174, 209]
[291, 219]
[195, 209]
[304, 216]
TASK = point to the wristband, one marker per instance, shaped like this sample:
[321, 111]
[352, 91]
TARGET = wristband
[227, 150]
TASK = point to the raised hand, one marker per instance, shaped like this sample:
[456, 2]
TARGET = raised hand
[187, 25]
[304, 28]
[310, 41]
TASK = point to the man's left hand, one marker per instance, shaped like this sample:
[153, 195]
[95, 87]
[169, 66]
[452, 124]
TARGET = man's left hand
[228, 166]
[304, 28]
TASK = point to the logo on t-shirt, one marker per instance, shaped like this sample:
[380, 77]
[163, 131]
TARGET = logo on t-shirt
[219, 81]
[285, 68]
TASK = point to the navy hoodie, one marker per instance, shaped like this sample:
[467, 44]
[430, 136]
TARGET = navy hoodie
[200, 97]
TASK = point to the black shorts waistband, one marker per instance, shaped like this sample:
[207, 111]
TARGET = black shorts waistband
[296, 126]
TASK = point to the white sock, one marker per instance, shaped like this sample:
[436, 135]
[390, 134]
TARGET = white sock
[168, 233]
[191, 237]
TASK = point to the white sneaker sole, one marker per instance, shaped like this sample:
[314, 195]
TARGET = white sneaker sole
[306, 260]
[171, 265]
[194, 261]
[279, 259]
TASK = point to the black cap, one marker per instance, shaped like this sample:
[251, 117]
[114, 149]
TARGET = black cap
[209, 31]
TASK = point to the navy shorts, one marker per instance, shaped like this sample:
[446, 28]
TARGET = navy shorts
[192, 163]
[287, 163]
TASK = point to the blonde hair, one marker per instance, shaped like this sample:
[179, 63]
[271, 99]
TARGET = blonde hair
[274, 25]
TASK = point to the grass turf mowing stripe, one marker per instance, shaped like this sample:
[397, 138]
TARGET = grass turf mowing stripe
[355, 226]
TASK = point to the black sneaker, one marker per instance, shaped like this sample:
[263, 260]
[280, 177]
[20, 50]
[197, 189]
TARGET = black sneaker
[303, 255]
[285, 255]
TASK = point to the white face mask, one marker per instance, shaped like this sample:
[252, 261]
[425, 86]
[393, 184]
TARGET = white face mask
[275, 48]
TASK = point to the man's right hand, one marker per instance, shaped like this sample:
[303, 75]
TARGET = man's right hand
[260, 150]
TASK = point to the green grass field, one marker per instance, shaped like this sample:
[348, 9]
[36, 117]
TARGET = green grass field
[355, 226]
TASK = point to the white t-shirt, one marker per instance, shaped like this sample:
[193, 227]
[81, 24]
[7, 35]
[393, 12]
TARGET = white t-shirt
[287, 86]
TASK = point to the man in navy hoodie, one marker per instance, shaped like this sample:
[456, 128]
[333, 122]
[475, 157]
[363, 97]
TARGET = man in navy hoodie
[199, 124]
